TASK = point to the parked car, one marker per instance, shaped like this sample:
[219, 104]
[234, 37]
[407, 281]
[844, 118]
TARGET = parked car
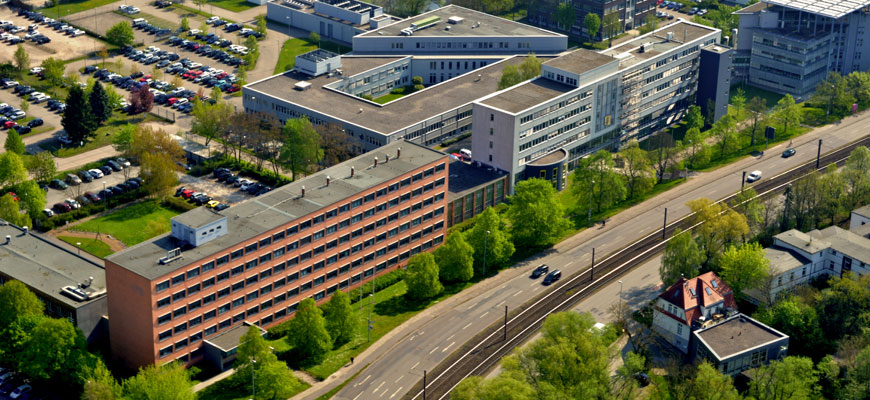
[221, 207]
[95, 173]
[61, 208]
[107, 170]
[85, 176]
[23, 129]
[48, 212]
[540, 270]
[57, 184]
[115, 166]
[186, 193]
[212, 204]
[20, 391]
[93, 197]
[123, 161]
[73, 180]
[35, 122]
[72, 204]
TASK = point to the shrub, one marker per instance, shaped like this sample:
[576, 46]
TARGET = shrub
[177, 204]
[43, 223]
[243, 168]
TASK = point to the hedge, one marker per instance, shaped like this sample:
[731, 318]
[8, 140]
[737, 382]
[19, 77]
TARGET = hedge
[44, 223]
[243, 168]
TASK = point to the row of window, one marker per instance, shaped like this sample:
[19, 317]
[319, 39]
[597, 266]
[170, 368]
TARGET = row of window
[263, 242]
[253, 310]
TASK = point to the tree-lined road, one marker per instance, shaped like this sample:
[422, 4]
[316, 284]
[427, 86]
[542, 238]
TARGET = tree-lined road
[398, 361]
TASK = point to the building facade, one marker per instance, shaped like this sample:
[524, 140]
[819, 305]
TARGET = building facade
[789, 46]
[690, 304]
[632, 14]
[737, 344]
[335, 20]
[254, 262]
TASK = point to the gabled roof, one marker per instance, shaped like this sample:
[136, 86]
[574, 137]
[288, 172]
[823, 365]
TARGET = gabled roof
[704, 290]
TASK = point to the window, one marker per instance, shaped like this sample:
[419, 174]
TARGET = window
[193, 289]
[224, 308]
[179, 312]
[223, 260]
[180, 328]
[265, 241]
[163, 319]
[194, 305]
[165, 351]
[208, 299]
[163, 302]
[236, 254]
[192, 273]
[251, 264]
[178, 296]
[162, 286]
[209, 315]
[177, 279]
[223, 276]
[164, 335]
[238, 270]
[251, 248]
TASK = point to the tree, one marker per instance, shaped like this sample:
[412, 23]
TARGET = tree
[664, 155]
[421, 277]
[502, 387]
[725, 132]
[338, 145]
[203, 26]
[22, 58]
[141, 100]
[720, 226]
[492, 246]
[856, 174]
[123, 141]
[696, 146]
[513, 74]
[261, 24]
[738, 101]
[53, 349]
[10, 212]
[159, 172]
[100, 384]
[748, 203]
[103, 54]
[314, 37]
[565, 15]
[120, 34]
[300, 150]
[216, 94]
[52, 70]
[639, 174]
[682, 258]
[787, 112]
[611, 26]
[407, 8]
[857, 385]
[209, 119]
[167, 381]
[792, 378]
[272, 378]
[708, 384]
[16, 301]
[625, 384]
[32, 198]
[14, 143]
[858, 83]
[185, 24]
[307, 333]
[758, 107]
[455, 259]
[536, 214]
[25, 104]
[834, 92]
[597, 184]
[78, 120]
[694, 118]
[844, 307]
[98, 100]
[744, 267]
[592, 23]
[341, 321]
[12, 170]
[274, 381]
[200, 3]
[800, 322]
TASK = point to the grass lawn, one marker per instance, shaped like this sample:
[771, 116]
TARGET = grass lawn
[752, 91]
[94, 246]
[65, 8]
[328, 395]
[195, 14]
[104, 136]
[227, 389]
[133, 224]
[394, 94]
[233, 5]
[296, 46]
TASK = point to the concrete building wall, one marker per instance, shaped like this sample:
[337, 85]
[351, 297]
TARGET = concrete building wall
[493, 141]
[714, 82]
[325, 27]
[265, 284]
[856, 220]
[675, 332]
[455, 45]
[435, 69]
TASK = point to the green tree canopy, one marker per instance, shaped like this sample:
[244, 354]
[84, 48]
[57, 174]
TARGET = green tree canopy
[54, 350]
[501, 387]
[341, 320]
[10, 212]
[513, 74]
[22, 58]
[307, 333]
[596, 183]
[743, 268]
[639, 174]
[301, 150]
[490, 241]
[13, 142]
[857, 385]
[537, 216]
[78, 119]
[682, 258]
[52, 70]
[455, 259]
[120, 34]
[31, 198]
[565, 15]
[844, 307]
[167, 381]
[98, 99]
[421, 277]
[100, 384]
[787, 113]
[16, 300]
[721, 227]
[792, 378]
[42, 166]
[757, 106]
[800, 322]
[592, 23]
[612, 26]
[12, 170]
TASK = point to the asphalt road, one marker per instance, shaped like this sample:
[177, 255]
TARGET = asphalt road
[400, 361]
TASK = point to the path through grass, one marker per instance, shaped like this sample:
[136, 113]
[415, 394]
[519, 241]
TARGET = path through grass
[133, 224]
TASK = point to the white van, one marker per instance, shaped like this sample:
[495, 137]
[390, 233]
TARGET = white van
[139, 21]
[466, 154]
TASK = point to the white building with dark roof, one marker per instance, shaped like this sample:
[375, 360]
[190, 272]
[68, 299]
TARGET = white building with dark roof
[737, 344]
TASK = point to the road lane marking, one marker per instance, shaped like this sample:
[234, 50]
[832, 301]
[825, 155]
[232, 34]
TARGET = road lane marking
[415, 365]
[448, 346]
[517, 293]
[363, 381]
[396, 392]
[357, 396]
[400, 378]
[433, 350]
[471, 306]
[451, 337]
[379, 387]
[483, 315]
[466, 326]
[533, 283]
[412, 338]
[536, 288]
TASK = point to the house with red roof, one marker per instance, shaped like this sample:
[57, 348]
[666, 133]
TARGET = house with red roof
[691, 304]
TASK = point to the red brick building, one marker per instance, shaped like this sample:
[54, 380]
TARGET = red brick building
[255, 261]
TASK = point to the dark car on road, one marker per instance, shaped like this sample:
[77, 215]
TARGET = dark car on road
[788, 153]
[541, 270]
[552, 277]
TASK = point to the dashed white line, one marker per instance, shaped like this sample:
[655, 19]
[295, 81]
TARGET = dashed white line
[396, 392]
[533, 283]
[357, 396]
[483, 315]
[433, 350]
[451, 337]
[517, 293]
[363, 381]
[412, 338]
[536, 288]
[400, 378]
[472, 306]
[448, 346]
[379, 387]
[415, 365]
[466, 326]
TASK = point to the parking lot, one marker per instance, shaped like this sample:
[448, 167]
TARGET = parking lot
[72, 191]
[61, 46]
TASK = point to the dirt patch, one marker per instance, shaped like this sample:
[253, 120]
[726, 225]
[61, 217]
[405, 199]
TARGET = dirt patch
[62, 46]
[219, 191]
[114, 244]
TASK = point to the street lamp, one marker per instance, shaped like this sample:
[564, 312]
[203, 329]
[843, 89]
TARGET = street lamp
[253, 386]
[79, 245]
[485, 237]
[591, 189]
[372, 296]
[620, 293]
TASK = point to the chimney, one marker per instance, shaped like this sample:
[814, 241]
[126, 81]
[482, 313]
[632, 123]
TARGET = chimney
[387, 159]
[398, 152]
[8, 239]
[327, 180]
[25, 230]
[352, 170]
[303, 191]
[376, 161]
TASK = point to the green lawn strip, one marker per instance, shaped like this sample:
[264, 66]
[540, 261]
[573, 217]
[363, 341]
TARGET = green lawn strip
[328, 395]
[194, 14]
[233, 389]
[388, 98]
[233, 5]
[152, 19]
[752, 91]
[72, 7]
[96, 247]
[104, 135]
[760, 145]
[132, 224]
[294, 47]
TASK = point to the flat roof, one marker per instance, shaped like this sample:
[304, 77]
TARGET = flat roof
[464, 176]
[846, 242]
[47, 265]
[751, 9]
[285, 204]
[230, 338]
[862, 211]
[474, 23]
[529, 94]
[550, 158]
[803, 241]
[580, 61]
[396, 115]
[198, 217]
[784, 259]
[736, 335]
[826, 8]
[684, 32]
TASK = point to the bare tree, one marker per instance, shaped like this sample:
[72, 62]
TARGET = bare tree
[338, 145]
[665, 154]
[265, 139]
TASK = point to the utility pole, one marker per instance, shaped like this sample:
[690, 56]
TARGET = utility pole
[424, 384]
[505, 322]
[593, 265]
[665, 225]
[369, 339]
[819, 154]
[253, 386]
[485, 237]
[743, 181]
[591, 190]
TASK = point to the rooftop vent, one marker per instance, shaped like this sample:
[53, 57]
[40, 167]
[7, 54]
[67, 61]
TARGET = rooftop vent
[302, 86]
[75, 293]
[455, 20]
[669, 36]
[171, 256]
[8, 239]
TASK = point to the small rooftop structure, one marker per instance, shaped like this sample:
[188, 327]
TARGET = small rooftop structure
[526, 95]
[465, 177]
[318, 62]
[221, 349]
[655, 43]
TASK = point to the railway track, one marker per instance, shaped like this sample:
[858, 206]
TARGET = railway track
[486, 349]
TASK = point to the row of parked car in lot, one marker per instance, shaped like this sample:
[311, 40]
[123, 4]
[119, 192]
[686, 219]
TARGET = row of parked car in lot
[87, 176]
[38, 18]
[13, 385]
[9, 115]
[228, 177]
[221, 50]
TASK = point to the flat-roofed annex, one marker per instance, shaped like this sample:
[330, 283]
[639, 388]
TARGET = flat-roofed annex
[529, 94]
[283, 205]
[683, 32]
[474, 23]
[394, 116]
[580, 61]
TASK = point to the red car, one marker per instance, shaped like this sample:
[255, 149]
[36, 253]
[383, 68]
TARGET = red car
[9, 124]
[61, 208]
[222, 75]
[93, 197]
[187, 193]
[171, 100]
[233, 89]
